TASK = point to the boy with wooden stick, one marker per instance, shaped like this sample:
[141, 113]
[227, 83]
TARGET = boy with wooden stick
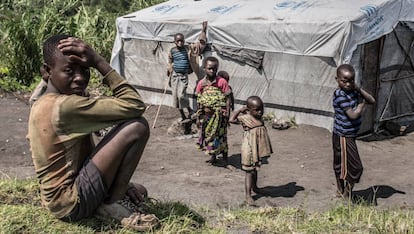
[181, 62]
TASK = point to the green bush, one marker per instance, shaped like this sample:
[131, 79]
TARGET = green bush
[25, 24]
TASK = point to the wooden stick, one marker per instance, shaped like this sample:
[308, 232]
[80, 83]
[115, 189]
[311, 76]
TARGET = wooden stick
[162, 99]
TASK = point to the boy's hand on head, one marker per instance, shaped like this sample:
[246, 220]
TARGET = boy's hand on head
[79, 52]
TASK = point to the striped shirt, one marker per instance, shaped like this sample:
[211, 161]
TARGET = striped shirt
[179, 58]
[343, 125]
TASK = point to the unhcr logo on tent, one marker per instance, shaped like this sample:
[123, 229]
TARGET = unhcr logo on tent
[370, 11]
[292, 5]
[165, 9]
[224, 9]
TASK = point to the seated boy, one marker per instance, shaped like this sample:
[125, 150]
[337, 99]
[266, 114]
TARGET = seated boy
[76, 178]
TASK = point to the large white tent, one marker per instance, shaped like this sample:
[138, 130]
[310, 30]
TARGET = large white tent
[285, 51]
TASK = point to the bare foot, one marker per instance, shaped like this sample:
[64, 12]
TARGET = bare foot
[338, 194]
[212, 160]
[250, 201]
[230, 167]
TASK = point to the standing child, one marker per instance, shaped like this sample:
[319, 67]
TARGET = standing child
[226, 76]
[182, 60]
[213, 112]
[256, 142]
[348, 103]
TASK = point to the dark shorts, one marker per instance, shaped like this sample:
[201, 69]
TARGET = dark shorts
[91, 192]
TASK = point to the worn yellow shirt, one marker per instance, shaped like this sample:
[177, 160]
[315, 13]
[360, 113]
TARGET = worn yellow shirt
[60, 128]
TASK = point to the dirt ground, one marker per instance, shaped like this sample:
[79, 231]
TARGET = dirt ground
[299, 173]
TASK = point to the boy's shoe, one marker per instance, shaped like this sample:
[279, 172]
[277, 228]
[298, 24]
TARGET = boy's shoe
[127, 214]
[141, 222]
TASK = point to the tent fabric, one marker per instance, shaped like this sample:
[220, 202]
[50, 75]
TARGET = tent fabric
[328, 28]
[253, 58]
[396, 97]
[285, 51]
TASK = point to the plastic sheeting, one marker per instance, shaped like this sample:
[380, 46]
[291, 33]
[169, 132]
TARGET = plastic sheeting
[328, 28]
[300, 43]
[396, 90]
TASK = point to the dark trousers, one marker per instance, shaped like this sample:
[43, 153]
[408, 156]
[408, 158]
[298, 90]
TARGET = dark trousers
[347, 164]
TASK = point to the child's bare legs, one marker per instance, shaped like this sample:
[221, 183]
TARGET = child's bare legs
[118, 155]
[340, 186]
[250, 184]
[226, 162]
[190, 112]
[225, 159]
[183, 117]
[254, 185]
[182, 113]
[213, 159]
[349, 186]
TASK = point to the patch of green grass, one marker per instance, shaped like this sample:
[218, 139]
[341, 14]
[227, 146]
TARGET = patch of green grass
[340, 219]
[21, 212]
[15, 192]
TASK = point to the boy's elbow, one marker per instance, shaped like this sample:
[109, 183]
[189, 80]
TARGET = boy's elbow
[353, 115]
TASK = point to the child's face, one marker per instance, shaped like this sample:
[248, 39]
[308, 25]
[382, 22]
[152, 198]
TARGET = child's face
[256, 110]
[211, 69]
[346, 80]
[225, 76]
[68, 77]
[179, 41]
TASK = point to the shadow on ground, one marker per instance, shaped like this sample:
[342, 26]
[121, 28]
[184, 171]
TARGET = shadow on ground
[369, 196]
[287, 190]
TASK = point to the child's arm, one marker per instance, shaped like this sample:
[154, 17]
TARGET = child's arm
[228, 106]
[355, 113]
[367, 97]
[204, 30]
[170, 64]
[233, 118]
